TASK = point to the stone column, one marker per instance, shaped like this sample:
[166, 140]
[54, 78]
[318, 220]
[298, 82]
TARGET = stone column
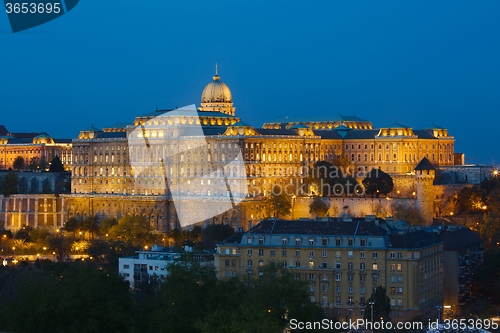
[36, 212]
[20, 210]
[45, 211]
[62, 211]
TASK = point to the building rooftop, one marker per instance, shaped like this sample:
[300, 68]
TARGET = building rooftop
[424, 134]
[265, 131]
[334, 226]
[171, 112]
[233, 239]
[413, 240]
[395, 125]
[425, 164]
[460, 238]
[324, 119]
[3, 131]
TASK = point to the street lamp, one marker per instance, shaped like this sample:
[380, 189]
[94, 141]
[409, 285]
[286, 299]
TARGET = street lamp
[371, 305]
[448, 310]
[439, 307]
[293, 204]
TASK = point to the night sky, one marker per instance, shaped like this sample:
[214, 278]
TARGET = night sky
[415, 62]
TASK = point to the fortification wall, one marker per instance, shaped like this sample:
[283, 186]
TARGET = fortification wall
[357, 207]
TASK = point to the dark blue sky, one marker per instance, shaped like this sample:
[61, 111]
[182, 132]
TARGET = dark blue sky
[416, 62]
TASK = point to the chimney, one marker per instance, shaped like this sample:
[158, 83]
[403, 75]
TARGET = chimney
[390, 222]
[345, 217]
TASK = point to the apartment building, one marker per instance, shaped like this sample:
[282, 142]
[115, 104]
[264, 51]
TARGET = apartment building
[344, 260]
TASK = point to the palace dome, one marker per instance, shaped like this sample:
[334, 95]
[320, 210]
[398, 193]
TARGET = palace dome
[216, 92]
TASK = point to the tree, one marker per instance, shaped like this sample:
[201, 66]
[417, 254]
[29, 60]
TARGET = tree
[327, 179]
[259, 304]
[9, 184]
[132, 229]
[56, 165]
[34, 164]
[72, 225]
[319, 178]
[61, 246]
[470, 200]
[107, 224]
[43, 163]
[344, 186]
[18, 163]
[405, 211]
[66, 297]
[39, 236]
[275, 296]
[318, 207]
[281, 203]
[343, 164]
[215, 233]
[91, 225]
[378, 182]
[381, 308]
[24, 233]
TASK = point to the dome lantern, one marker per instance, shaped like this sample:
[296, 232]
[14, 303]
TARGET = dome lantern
[216, 97]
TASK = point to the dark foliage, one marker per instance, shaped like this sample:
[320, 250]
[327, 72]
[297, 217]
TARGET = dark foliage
[56, 165]
[378, 182]
[9, 183]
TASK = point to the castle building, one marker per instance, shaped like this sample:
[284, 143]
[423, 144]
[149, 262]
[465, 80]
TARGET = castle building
[343, 261]
[37, 149]
[273, 154]
[105, 182]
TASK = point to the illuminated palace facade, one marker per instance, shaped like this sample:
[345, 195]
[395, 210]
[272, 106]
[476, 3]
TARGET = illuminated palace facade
[272, 154]
[275, 154]
[33, 147]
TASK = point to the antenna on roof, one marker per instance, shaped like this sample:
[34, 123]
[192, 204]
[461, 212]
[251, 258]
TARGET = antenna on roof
[216, 69]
